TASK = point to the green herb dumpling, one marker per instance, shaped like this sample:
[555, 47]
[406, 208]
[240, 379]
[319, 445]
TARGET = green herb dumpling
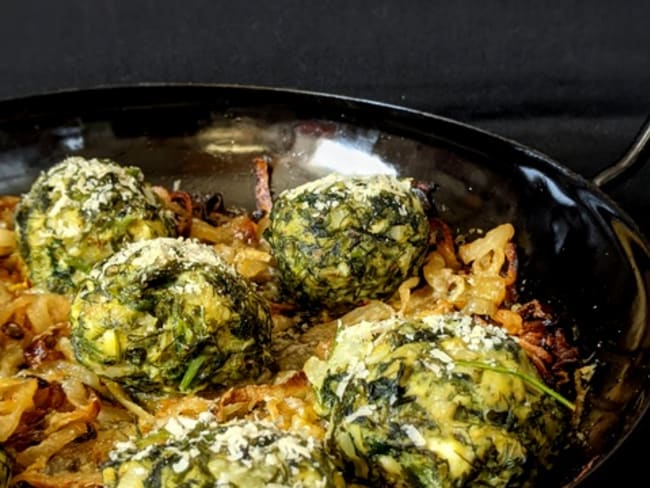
[438, 401]
[81, 211]
[238, 454]
[341, 240]
[168, 315]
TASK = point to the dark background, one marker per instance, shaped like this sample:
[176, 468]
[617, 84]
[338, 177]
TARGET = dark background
[569, 78]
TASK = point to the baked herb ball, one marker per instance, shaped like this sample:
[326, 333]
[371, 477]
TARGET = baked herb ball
[81, 211]
[238, 454]
[341, 240]
[168, 315]
[440, 401]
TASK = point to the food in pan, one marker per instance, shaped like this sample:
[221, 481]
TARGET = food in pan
[81, 211]
[341, 240]
[169, 314]
[194, 332]
[437, 401]
[204, 452]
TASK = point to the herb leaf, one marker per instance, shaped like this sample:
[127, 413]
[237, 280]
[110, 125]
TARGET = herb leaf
[534, 382]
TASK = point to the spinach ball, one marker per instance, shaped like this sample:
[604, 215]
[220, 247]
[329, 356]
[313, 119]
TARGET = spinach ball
[341, 240]
[237, 454]
[438, 401]
[78, 213]
[167, 315]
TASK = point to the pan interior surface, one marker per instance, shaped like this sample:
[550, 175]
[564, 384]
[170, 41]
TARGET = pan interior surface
[578, 251]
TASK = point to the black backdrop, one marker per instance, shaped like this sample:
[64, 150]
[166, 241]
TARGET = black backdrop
[570, 78]
[577, 57]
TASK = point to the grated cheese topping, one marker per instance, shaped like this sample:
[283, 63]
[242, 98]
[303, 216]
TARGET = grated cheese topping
[245, 445]
[414, 434]
[149, 255]
[89, 186]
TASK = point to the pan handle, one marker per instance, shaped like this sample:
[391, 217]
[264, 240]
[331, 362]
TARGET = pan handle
[630, 158]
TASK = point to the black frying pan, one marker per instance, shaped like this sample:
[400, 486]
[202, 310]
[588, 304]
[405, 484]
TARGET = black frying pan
[579, 251]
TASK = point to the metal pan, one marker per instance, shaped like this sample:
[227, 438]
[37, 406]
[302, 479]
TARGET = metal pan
[579, 251]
